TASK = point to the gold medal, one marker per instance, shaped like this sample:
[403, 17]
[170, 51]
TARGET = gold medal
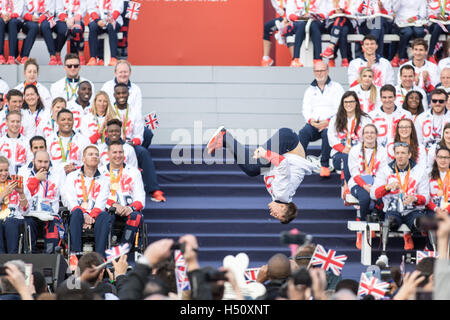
[85, 205]
[115, 186]
[440, 193]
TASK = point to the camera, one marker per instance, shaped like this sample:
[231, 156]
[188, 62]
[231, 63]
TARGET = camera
[212, 275]
[178, 246]
[299, 239]
[301, 276]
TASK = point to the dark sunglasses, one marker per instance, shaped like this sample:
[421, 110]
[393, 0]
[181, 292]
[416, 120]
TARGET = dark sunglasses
[438, 100]
[401, 144]
[76, 66]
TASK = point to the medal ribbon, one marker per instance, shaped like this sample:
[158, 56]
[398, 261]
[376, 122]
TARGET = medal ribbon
[404, 186]
[349, 134]
[72, 90]
[83, 188]
[368, 169]
[99, 127]
[65, 154]
[114, 179]
[443, 186]
[124, 123]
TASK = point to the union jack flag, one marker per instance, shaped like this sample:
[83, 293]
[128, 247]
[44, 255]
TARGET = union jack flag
[373, 286]
[151, 120]
[133, 10]
[420, 255]
[328, 260]
[250, 275]
[116, 252]
[50, 19]
[181, 272]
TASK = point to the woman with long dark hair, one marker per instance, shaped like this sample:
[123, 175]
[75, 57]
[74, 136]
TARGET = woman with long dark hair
[364, 161]
[33, 106]
[413, 103]
[344, 130]
[406, 132]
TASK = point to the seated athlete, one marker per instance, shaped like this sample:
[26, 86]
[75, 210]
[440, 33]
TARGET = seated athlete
[282, 162]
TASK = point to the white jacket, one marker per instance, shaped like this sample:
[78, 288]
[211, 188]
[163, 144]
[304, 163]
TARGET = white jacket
[338, 140]
[16, 150]
[386, 123]
[285, 175]
[134, 126]
[357, 167]
[27, 128]
[402, 92]
[13, 7]
[429, 127]
[32, 8]
[134, 98]
[62, 89]
[77, 144]
[382, 69]
[71, 9]
[102, 9]
[321, 105]
[434, 8]
[131, 191]
[405, 9]
[16, 211]
[72, 194]
[44, 195]
[437, 201]
[417, 186]
[4, 87]
[433, 75]
[79, 114]
[43, 93]
[364, 98]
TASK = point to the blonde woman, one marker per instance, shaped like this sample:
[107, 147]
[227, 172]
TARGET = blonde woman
[94, 123]
[368, 93]
[46, 128]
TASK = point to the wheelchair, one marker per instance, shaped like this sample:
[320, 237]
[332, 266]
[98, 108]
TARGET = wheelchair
[115, 234]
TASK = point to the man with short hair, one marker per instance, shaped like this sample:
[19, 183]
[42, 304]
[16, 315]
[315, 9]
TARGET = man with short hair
[126, 194]
[403, 187]
[43, 185]
[37, 143]
[132, 133]
[320, 103]
[85, 195]
[445, 80]
[66, 146]
[407, 84]
[426, 72]
[81, 105]
[430, 124]
[114, 133]
[14, 101]
[386, 117]
[281, 160]
[382, 69]
[67, 87]
[13, 145]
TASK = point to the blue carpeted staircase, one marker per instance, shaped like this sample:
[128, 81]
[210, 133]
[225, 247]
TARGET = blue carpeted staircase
[227, 211]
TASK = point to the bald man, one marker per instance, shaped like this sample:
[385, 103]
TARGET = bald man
[43, 184]
[445, 80]
[320, 103]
